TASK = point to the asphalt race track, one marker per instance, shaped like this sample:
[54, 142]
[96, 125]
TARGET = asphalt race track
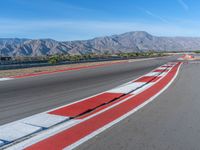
[159, 110]
[21, 98]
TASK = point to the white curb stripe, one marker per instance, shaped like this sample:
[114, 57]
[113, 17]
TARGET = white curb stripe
[127, 88]
[21, 128]
[16, 130]
[43, 135]
[143, 88]
[44, 120]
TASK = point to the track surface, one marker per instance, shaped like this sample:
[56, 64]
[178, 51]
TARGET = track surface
[170, 122]
[24, 97]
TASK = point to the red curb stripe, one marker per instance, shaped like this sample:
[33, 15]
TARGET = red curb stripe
[88, 104]
[77, 132]
[104, 107]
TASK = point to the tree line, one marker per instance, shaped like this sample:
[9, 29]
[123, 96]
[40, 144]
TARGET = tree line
[75, 58]
[57, 58]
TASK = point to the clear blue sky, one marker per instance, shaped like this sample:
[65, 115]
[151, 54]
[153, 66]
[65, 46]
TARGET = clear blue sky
[84, 19]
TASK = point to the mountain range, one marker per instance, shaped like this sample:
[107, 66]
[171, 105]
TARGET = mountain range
[128, 42]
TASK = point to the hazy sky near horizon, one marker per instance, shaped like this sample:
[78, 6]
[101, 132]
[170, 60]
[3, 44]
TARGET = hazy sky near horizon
[85, 19]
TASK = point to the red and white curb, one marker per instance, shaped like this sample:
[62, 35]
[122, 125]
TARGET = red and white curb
[68, 126]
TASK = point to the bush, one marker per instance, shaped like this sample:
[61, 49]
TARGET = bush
[53, 59]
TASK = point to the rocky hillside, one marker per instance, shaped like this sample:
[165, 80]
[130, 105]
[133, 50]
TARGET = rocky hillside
[127, 42]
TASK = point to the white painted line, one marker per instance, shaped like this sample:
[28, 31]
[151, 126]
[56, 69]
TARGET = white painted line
[164, 68]
[153, 74]
[5, 79]
[143, 88]
[161, 68]
[126, 88]
[16, 130]
[44, 120]
[43, 135]
[21, 128]
[168, 66]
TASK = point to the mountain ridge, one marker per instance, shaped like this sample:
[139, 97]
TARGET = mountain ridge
[135, 41]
